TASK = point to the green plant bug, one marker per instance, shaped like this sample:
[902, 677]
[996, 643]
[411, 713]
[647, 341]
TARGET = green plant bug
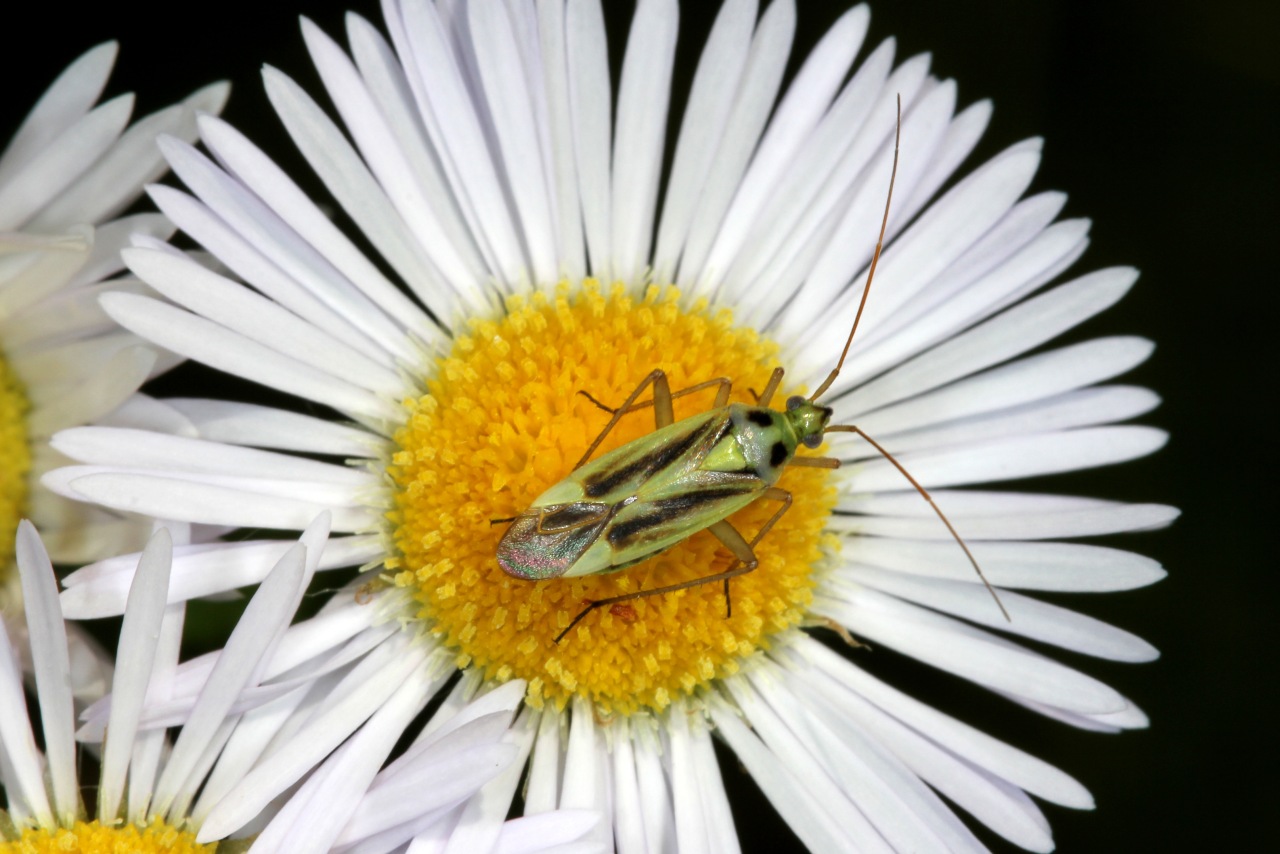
[644, 497]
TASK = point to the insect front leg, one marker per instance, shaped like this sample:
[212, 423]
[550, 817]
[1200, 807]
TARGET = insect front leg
[742, 550]
[722, 396]
[661, 395]
[664, 414]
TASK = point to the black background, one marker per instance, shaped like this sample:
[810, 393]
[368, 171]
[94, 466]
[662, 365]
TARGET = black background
[1161, 122]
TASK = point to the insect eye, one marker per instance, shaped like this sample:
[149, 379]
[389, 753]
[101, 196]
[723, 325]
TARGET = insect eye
[794, 401]
[813, 440]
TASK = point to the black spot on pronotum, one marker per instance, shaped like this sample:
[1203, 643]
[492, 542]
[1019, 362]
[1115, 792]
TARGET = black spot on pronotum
[763, 419]
[777, 454]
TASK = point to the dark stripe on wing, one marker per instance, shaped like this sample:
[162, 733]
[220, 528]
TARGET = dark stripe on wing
[652, 525]
[646, 465]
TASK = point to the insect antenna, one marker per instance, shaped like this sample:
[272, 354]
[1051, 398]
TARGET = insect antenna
[843, 428]
[831, 377]
[871, 271]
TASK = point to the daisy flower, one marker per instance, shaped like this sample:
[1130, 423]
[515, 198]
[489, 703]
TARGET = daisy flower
[65, 177]
[528, 249]
[153, 795]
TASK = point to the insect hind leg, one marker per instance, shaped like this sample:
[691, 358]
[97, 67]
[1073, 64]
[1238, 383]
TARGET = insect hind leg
[744, 552]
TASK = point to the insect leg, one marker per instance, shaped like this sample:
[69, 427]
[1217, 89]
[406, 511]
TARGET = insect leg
[924, 493]
[658, 379]
[727, 534]
[660, 388]
[815, 462]
[742, 550]
[722, 396]
[771, 388]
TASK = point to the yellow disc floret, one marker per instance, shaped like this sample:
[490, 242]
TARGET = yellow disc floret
[15, 461]
[502, 421]
[90, 837]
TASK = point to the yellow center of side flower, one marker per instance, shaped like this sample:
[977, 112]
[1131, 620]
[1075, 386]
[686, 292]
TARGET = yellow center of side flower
[502, 421]
[90, 837]
[15, 462]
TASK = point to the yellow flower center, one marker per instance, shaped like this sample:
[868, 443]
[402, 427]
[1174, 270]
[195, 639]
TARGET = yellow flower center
[90, 837]
[15, 462]
[502, 421]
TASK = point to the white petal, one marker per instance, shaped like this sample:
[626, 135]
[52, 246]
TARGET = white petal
[111, 237]
[1010, 334]
[1034, 378]
[968, 652]
[1066, 567]
[807, 805]
[99, 589]
[179, 455]
[23, 765]
[1084, 407]
[1021, 769]
[380, 678]
[733, 93]
[1029, 618]
[315, 814]
[448, 782]
[628, 810]
[99, 392]
[256, 266]
[691, 825]
[537, 833]
[48, 638]
[153, 745]
[794, 118]
[254, 169]
[451, 119]
[1012, 458]
[545, 767]
[241, 503]
[139, 636]
[510, 104]
[61, 162]
[825, 167]
[254, 732]
[591, 106]
[29, 276]
[64, 103]
[586, 771]
[1000, 805]
[117, 178]
[564, 167]
[643, 95]
[239, 309]
[267, 427]
[902, 810]
[237, 667]
[1105, 518]
[220, 348]
[388, 85]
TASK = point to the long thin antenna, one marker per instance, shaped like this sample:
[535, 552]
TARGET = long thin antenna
[841, 428]
[875, 259]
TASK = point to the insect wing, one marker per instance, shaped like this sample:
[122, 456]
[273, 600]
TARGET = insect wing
[651, 462]
[675, 512]
[548, 541]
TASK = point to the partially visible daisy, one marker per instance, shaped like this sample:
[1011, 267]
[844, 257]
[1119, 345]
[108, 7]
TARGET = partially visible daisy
[65, 177]
[523, 259]
[154, 795]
